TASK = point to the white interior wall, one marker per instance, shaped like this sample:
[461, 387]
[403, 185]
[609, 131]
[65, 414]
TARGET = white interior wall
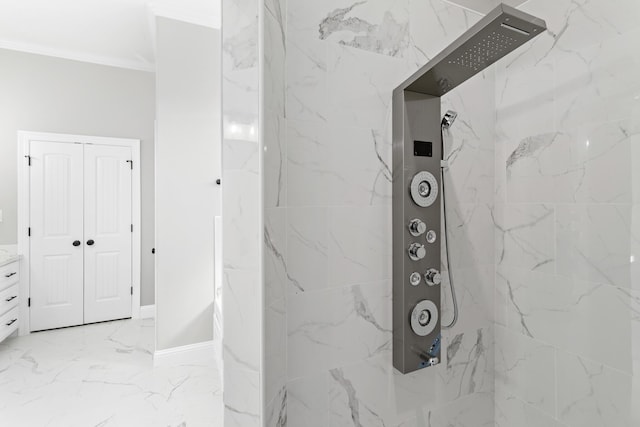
[46, 94]
[187, 166]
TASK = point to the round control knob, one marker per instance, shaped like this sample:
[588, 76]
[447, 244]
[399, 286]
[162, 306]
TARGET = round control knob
[417, 227]
[417, 251]
[432, 277]
[424, 189]
[424, 318]
[431, 236]
[415, 278]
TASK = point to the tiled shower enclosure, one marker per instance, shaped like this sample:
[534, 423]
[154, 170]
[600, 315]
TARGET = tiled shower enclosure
[541, 198]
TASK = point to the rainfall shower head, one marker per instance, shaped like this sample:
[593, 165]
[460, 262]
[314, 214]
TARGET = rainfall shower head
[500, 32]
[448, 119]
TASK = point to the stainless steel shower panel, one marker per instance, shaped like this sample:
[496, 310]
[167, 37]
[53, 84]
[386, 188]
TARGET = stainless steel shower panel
[416, 298]
[417, 187]
[500, 32]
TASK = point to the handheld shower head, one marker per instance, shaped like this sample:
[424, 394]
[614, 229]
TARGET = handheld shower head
[448, 119]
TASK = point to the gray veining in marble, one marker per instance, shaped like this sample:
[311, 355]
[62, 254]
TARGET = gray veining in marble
[528, 147]
[102, 374]
[389, 37]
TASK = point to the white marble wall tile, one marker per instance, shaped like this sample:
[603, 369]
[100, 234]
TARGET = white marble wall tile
[434, 24]
[241, 398]
[240, 154]
[276, 410]
[474, 289]
[275, 161]
[500, 172]
[240, 219]
[240, 36]
[525, 368]
[589, 164]
[561, 312]
[275, 254]
[375, 26]
[525, 103]
[275, 349]
[525, 236]
[307, 80]
[373, 393]
[471, 234]
[511, 411]
[359, 245]
[473, 100]
[308, 248]
[308, 161]
[331, 328]
[360, 84]
[275, 27]
[598, 84]
[606, 157]
[590, 394]
[469, 359]
[361, 165]
[469, 177]
[539, 168]
[241, 347]
[598, 243]
[337, 165]
[634, 311]
[308, 401]
[472, 411]
[585, 23]
[355, 398]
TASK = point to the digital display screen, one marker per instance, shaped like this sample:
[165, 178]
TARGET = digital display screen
[422, 149]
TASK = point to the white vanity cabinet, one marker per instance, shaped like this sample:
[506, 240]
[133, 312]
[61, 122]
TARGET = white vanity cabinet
[9, 297]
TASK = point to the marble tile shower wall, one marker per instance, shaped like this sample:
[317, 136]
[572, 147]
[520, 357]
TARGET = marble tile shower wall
[329, 70]
[568, 229]
[242, 182]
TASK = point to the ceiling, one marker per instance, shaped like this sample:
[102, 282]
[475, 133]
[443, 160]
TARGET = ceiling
[110, 32]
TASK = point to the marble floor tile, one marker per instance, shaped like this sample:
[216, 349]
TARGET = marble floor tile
[102, 375]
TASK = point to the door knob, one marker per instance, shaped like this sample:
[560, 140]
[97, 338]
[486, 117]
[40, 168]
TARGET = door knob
[76, 243]
[90, 242]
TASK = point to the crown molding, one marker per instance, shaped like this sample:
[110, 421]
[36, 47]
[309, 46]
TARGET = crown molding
[78, 56]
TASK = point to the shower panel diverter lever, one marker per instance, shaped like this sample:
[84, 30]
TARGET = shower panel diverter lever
[417, 187]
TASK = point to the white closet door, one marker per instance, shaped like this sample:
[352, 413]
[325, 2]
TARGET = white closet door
[56, 223]
[107, 231]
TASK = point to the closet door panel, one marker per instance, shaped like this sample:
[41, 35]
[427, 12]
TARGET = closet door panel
[56, 224]
[108, 235]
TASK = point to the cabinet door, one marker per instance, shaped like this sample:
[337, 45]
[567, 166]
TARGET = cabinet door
[107, 231]
[56, 221]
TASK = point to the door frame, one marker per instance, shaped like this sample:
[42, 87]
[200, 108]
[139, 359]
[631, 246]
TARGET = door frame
[24, 139]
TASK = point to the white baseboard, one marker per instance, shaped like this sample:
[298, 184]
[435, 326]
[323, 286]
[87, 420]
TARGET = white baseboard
[148, 311]
[184, 355]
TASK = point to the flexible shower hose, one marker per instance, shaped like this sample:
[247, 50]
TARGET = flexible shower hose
[446, 242]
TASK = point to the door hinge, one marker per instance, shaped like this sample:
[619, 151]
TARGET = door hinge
[132, 290]
[28, 302]
[130, 163]
[29, 231]
[132, 228]
[28, 157]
